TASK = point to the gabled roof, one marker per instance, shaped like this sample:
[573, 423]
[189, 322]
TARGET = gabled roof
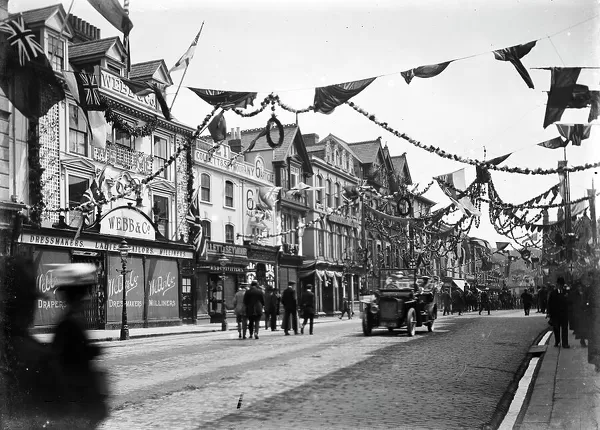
[367, 150]
[42, 14]
[290, 132]
[45, 15]
[154, 69]
[93, 47]
[401, 167]
[341, 142]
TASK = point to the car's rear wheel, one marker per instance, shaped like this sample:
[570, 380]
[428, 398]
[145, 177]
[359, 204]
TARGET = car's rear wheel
[366, 326]
[410, 323]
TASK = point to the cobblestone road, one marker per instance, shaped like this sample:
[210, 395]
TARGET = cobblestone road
[452, 378]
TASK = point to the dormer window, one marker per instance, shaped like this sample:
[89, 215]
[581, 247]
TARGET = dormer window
[115, 69]
[56, 52]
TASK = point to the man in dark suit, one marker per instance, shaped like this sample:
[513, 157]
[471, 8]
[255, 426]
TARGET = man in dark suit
[308, 308]
[558, 311]
[254, 300]
[271, 308]
[290, 307]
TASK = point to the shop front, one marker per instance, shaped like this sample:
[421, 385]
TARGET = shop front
[153, 279]
[218, 279]
[262, 265]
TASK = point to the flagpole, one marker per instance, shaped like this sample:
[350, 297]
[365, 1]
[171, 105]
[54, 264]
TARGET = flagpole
[184, 72]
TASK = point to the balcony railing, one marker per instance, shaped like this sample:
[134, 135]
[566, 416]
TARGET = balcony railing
[125, 158]
[296, 198]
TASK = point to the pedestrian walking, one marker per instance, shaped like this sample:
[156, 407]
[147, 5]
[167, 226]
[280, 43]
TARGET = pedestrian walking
[527, 300]
[290, 309]
[558, 312]
[240, 311]
[271, 308]
[85, 387]
[254, 300]
[308, 309]
[457, 301]
[447, 300]
[345, 308]
[485, 301]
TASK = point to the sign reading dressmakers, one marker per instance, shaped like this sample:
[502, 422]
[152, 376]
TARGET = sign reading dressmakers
[127, 222]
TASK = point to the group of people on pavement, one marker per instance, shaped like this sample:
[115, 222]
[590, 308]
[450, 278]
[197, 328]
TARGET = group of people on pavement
[55, 386]
[250, 304]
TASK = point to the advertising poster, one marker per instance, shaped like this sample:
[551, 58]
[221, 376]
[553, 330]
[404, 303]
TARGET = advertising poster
[134, 287]
[50, 310]
[162, 280]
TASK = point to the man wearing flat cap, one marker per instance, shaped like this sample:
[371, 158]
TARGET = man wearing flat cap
[254, 300]
[290, 307]
[240, 310]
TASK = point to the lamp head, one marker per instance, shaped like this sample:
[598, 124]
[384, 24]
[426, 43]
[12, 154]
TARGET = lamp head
[124, 249]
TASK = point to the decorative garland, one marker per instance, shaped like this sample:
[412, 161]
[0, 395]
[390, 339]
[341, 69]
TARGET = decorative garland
[274, 121]
[444, 154]
[124, 127]
[35, 174]
[263, 105]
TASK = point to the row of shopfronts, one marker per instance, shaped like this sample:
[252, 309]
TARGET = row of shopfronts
[164, 283]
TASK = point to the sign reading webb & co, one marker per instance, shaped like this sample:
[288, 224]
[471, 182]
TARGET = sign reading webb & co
[127, 222]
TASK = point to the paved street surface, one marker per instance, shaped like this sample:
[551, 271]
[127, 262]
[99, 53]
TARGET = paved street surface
[338, 378]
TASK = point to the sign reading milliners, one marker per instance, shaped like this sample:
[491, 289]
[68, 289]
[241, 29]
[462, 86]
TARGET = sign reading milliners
[127, 222]
[115, 85]
[241, 168]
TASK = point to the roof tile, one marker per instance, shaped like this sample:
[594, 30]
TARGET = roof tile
[93, 47]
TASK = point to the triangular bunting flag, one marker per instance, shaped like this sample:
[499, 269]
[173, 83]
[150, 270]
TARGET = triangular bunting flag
[218, 127]
[225, 99]
[565, 93]
[424, 71]
[514, 55]
[574, 133]
[328, 98]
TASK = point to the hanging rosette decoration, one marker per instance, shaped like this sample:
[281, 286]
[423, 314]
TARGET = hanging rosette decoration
[404, 206]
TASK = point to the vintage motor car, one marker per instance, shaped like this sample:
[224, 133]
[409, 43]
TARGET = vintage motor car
[398, 305]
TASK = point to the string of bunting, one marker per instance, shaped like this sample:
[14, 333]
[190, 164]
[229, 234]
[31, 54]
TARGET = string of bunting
[473, 162]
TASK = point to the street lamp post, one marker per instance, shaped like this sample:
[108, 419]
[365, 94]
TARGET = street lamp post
[124, 252]
[223, 260]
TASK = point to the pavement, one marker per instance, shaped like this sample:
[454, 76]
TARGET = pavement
[200, 327]
[566, 391]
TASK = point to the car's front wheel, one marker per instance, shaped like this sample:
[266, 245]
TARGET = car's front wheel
[366, 326]
[410, 322]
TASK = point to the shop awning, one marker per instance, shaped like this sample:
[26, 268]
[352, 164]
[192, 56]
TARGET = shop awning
[459, 283]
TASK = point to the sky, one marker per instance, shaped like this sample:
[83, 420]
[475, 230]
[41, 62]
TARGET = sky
[478, 106]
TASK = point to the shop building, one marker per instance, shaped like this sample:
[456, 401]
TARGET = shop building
[291, 166]
[159, 281]
[329, 248]
[234, 224]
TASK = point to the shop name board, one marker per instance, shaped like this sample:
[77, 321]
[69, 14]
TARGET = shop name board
[226, 269]
[100, 245]
[124, 222]
[343, 220]
[234, 250]
[240, 168]
[115, 85]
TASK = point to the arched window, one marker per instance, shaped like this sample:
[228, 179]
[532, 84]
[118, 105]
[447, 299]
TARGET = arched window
[338, 195]
[229, 233]
[205, 187]
[330, 247]
[336, 160]
[229, 194]
[329, 191]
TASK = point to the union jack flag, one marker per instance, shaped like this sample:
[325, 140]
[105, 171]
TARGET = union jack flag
[193, 218]
[94, 193]
[22, 39]
[89, 90]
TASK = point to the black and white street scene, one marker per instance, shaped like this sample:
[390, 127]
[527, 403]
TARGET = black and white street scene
[299, 214]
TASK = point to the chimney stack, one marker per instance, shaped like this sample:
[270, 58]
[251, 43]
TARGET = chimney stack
[310, 139]
[82, 30]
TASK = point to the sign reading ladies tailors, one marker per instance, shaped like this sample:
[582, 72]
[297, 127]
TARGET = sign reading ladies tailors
[126, 221]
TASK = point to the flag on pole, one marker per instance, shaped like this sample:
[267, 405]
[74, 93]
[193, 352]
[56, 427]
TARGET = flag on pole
[185, 59]
[114, 13]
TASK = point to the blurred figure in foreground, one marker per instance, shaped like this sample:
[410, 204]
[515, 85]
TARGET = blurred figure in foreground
[30, 373]
[85, 395]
